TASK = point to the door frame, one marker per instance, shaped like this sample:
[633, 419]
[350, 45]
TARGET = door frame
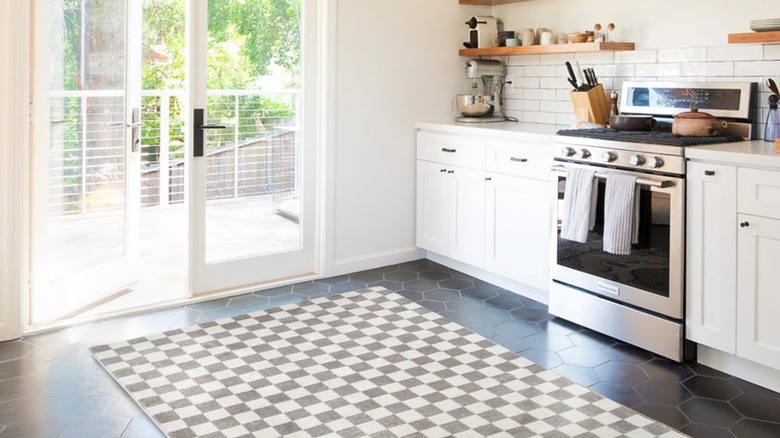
[15, 129]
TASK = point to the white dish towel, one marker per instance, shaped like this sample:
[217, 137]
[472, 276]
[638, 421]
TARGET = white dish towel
[621, 218]
[578, 204]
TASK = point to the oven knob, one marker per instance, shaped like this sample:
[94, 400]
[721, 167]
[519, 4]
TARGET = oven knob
[568, 151]
[608, 157]
[585, 153]
[637, 160]
[656, 162]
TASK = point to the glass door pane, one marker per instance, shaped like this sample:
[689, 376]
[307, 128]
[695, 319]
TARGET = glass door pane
[87, 217]
[251, 211]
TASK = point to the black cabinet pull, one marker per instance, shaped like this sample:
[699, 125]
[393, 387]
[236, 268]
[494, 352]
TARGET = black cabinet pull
[709, 172]
[744, 224]
[450, 171]
[488, 179]
[442, 170]
[448, 150]
[518, 160]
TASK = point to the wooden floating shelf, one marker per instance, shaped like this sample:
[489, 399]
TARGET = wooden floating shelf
[754, 37]
[552, 48]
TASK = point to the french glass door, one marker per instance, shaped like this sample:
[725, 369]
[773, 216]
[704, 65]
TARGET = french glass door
[125, 163]
[249, 153]
[86, 164]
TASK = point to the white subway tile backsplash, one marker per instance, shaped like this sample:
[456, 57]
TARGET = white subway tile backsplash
[523, 60]
[556, 82]
[708, 69]
[538, 117]
[740, 52]
[658, 70]
[682, 55]
[549, 71]
[771, 52]
[595, 58]
[542, 94]
[538, 94]
[763, 68]
[555, 58]
[637, 57]
[524, 82]
[554, 106]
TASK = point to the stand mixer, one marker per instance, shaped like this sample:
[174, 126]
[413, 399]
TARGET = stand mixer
[483, 107]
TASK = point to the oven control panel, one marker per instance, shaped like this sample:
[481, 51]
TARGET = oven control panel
[652, 161]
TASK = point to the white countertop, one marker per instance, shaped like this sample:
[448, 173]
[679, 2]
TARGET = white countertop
[506, 130]
[755, 153]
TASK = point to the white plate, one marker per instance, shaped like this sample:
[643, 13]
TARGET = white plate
[765, 28]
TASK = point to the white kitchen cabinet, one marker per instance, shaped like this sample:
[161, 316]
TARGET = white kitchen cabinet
[711, 255]
[758, 289]
[733, 249]
[486, 203]
[451, 197]
[518, 223]
[519, 211]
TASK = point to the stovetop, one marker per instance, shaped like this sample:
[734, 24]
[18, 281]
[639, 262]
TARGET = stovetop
[651, 137]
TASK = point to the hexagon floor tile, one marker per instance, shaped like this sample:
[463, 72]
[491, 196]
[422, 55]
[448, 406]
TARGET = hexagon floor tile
[50, 386]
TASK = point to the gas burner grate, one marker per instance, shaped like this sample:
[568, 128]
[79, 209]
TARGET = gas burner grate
[654, 137]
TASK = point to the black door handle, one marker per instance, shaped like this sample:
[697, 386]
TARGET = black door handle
[197, 131]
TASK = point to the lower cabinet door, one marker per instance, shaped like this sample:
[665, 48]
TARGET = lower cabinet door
[758, 296]
[433, 207]
[711, 256]
[518, 224]
[467, 220]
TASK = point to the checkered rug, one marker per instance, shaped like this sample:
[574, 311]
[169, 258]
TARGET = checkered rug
[362, 363]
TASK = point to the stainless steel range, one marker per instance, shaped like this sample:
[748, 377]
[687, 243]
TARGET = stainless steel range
[637, 297]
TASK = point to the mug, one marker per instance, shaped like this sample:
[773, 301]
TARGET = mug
[546, 39]
[528, 36]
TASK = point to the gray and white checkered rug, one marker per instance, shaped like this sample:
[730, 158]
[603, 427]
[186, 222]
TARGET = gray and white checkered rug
[362, 363]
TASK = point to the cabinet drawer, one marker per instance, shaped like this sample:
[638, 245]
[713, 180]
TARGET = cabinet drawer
[451, 149]
[519, 159]
[759, 192]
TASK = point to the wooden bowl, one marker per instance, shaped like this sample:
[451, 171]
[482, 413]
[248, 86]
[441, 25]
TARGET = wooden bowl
[578, 37]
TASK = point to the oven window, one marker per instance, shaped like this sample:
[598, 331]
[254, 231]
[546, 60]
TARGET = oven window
[647, 267]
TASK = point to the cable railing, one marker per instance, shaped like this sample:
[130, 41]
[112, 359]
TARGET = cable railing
[255, 155]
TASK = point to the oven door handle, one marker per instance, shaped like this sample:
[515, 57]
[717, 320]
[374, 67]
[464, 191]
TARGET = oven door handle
[641, 181]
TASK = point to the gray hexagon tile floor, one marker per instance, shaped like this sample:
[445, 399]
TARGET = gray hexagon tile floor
[51, 387]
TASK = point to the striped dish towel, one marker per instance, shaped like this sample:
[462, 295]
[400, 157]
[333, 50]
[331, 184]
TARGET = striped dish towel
[621, 219]
[577, 204]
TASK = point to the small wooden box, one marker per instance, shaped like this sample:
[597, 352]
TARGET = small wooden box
[591, 106]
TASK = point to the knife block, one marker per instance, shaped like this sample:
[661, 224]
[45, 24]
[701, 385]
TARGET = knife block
[591, 106]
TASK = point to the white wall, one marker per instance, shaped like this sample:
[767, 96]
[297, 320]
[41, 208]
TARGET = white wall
[655, 24]
[397, 63]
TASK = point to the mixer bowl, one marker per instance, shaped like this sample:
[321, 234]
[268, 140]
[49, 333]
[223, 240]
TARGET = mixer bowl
[474, 105]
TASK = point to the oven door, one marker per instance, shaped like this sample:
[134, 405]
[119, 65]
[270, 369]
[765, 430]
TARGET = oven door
[651, 277]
